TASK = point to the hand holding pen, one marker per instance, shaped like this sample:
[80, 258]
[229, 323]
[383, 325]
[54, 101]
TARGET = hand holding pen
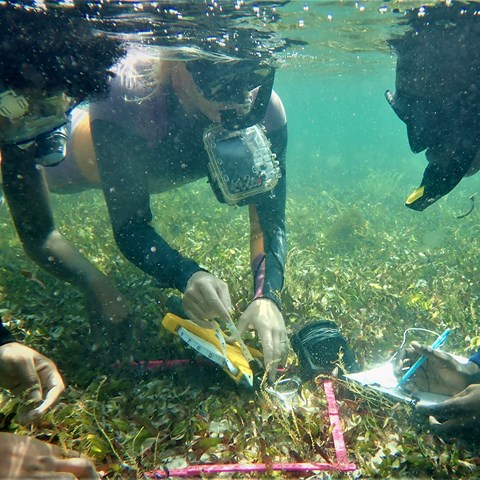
[414, 368]
[448, 375]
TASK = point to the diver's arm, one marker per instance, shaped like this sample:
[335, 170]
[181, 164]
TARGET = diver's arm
[475, 358]
[125, 185]
[268, 252]
[28, 200]
[267, 234]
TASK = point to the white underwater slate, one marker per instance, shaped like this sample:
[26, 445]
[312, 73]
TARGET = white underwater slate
[382, 379]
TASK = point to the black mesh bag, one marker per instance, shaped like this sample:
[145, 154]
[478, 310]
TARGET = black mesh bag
[319, 345]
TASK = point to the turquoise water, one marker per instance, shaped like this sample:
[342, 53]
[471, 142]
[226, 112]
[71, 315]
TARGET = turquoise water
[342, 120]
[341, 127]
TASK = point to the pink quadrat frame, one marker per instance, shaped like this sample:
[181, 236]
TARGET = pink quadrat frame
[341, 464]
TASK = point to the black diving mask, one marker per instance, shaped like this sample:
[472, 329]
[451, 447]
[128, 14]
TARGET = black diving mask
[241, 163]
[232, 83]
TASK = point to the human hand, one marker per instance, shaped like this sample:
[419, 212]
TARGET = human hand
[205, 298]
[27, 372]
[263, 316]
[458, 414]
[26, 458]
[441, 372]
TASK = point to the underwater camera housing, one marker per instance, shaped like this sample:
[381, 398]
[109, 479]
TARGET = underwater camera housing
[319, 346]
[241, 163]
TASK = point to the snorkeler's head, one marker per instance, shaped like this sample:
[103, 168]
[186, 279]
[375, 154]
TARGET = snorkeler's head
[228, 51]
[54, 50]
[50, 60]
[231, 83]
[438, 94]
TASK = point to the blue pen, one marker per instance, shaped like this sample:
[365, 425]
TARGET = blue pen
[436, 344]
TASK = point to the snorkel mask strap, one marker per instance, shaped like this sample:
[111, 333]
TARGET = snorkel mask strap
[232, 121]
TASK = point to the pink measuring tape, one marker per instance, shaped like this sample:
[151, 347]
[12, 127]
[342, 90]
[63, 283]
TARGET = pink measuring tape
[341, 464]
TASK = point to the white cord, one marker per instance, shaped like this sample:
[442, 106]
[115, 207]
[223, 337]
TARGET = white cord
[405, 339]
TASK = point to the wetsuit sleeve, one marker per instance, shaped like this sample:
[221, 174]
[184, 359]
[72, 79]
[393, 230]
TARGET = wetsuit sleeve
[5, 335]
[475, 358]
[122, 160]
[267, 230]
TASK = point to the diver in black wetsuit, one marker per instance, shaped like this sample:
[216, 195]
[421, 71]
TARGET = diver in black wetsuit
[169, 122]
[438, 97]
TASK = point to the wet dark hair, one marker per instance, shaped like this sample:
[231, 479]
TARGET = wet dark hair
[440, 47]
[439, 20]
[54, 50]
